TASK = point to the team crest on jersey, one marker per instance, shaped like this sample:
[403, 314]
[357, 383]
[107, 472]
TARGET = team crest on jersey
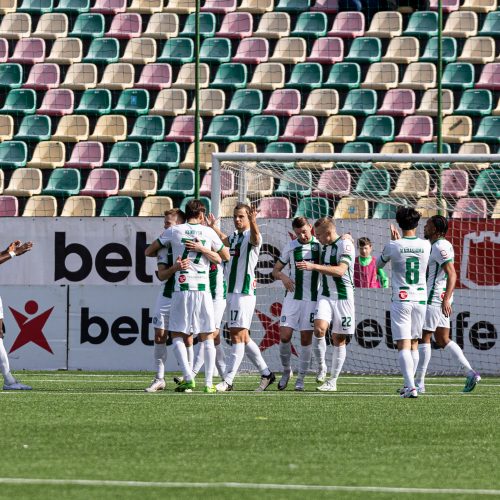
[254, 284]
[444, 253]
[213, 267]
[182, 278]
[442, 295]
[403, 294]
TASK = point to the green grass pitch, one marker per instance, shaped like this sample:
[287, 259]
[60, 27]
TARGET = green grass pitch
[102, 428]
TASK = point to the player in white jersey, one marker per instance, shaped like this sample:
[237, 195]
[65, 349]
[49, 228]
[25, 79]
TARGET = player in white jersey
[244, 245]
[300, 300]
[409, 256]
[440, 285]
[192, 308]
[336, 300]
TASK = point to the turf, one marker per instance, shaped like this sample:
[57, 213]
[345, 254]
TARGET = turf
[104, 427]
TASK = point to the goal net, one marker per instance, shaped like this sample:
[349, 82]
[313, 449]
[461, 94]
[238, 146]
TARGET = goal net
[362, 191]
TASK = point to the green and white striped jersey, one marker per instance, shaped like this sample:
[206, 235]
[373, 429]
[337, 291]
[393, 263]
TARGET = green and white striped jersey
[441, 253]
[218, 286]
[306, 282]
[165, 257]
[196, 276]
[340, 251]
[409, 257]
[240, 271]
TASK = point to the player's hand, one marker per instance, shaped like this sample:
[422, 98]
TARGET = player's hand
[211, 220]
[13, 246]
[304, 265]
[446, 307]
[194, 246]
[182, 264]
[394, 233]
[347, 236]
[288, 283]
[252, 216]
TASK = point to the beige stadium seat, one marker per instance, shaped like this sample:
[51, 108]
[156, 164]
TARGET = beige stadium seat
[339, 128]
[394, 148]
[386, 24]
[289, 50]
[496, 211]
[6, 127]
[164, 25]
[110, 128]
[52, 26]
[66, 51]
[25, 182]
[268, 76]
[260, 185]
[461, 24]
[228, 204]
[117, 76]
[79, 206]
[256, 6]
[7, 6]
[146, 6]
[478, 50]
[140, 51]
[273, 25]
[170, 102]
[15, 26]
[239, 147]
[381, 76]
[402, 50]
[48, 155]
[155, 206]
[322, 102]
[412, 184]
[140, 182]
[457, 129]
[472, 148]
[351, 208]
[72, 128]
[180, 6]
[479, 5]
[40, 206]
[428, 207]
[419, 76]
[2, 181]
[429, 103]
[187, 75]
[212, 102]
[80, 76]
[317, 147]
[207, 149]
[496, 111]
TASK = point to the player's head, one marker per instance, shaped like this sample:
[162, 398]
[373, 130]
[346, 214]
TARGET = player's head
[364, 246]
[407, 218]
[302, 229]
[173, 217]
[195, 210]
[435, 227]
[325, 230]
[241, 216]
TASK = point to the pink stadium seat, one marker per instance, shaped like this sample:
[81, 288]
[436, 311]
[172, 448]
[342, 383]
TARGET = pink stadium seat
[454, 183]
[29, 51]
[219, 6]
[333, 183]
[9, 206]
[398, 102]
[43, 76]
[86, 154]
[470, 208]
[4, 50]
[57, 102]
[236, 25]
[448, 5]
[327, 50]
[252, 51]
[182, 129]
[156, 76]
[109, 6]
[348, 25]
[490, 77]
[416, 129]
[328, 6]
[274, 207]
[283, 102]
[300, 128]
[125, 26]
[227, 183]
[101, 183]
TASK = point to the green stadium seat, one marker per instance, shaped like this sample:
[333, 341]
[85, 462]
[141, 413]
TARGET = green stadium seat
[449, 53]
[163, 156]
[246, 102]
[360, 102]
[95, 102]
[281, 147]
[178, 182]
[487, 184]
[262, 128]
[422, 24]
[103, 51]
[356, 147]
[207, 23]
[34, 128]
[386, 210]
[73, 6]
[295, 182]
[311, 25]
[306, 76]
[224, 128]
[11, 76]
[365, 50]
[292, 6]
[148, 129]
[344, 76]
[491, 25]
[124, 155]
[475, 102]
[63, 182]
[215, 50]
[117, 206]
[430, 148]
[20, 102]
[231, 76]
[133, 102]
[36, 7]
[13, 154]
[88, 26]
[206, 202]
[374, 183]
[177, 51]
[459, 76]
[377, 129]
[489, 130]
[313, 207]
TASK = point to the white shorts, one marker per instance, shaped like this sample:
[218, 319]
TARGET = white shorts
[407, 320]
[340, 313]
[161, 312]
[298, 314]
[192, 312]
[219, 308]
[434, 318]
[240, 308]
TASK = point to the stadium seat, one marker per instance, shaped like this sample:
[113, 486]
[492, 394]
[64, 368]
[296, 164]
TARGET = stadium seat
[490, 77]
[274, 207]
[146, 6]
[206, 150]
[19, 102]
[182, 129]
[29, 51]
[458, 76]
[402, 50]
[315, 147]
[177, 182]
[247, 102]
[148, 129]
[344, 76]
[155, 206]
[351, 208]
[207, 24]
[348, 25]
[447, 5]
[252, 51]
[475, 103]
[412, 184]
[206, 202]
[354, 148]
[224, 128]
[333, 183]
[8, 6]
[419, 76]
[110, 128]
[117, 76]
[283, 102]
[124, 155]
[36, 7]
[186, 78]
[282, 147]
[231, 76]
[306, 76]
[487, 184]
[454, 183]
[80, 76]
[416, 129]
[48, 155]
[43, 76]
[262, 129]
[79, 206]
[215, 50]
[289, 50]
[88, 26]
[109, 7]
[51, 26]
[228, 204]
[140, 51]
[180, 6]
[267, 76]
[162, 25]
[423, 24]
[295, 182]
[461, 24]
[429, 103]
[101, 183]
[95, 102]
[496, 210]
[226, 183]
[140, 182]
[33, 128]
[387, 210]
[13, 154]
[313, 207]
[373, 183]
[365, 50]
[328, 6]
[236, 25]
[398, 102]
[322, 102]
[15, 25]
[4, 50]
[212, 102]
[11, 76]
[63, 182]
[117, 206]
[40, 206]
[24, 182]
[428, 207]
[386, 24]
[72, 128]
[170, 102]
[394, 148]
[293, 6]
[478, 50]
[155, 77]
[177, 51]
[256, 6]
[432, 148]
[381, 76]
[470, 208]
[311, 25]
[339, 128]
[260, 185]
[489, 130]
[86, 155]
[9, 206]
[163, 155]
[360, 102]
[491, 25]
[66, 51]
[377, 129]
[477, 148]
[327, 50]
[449, 50]
[273, 25]
[132, 102]
[301, 129]
[57, 102]
[219, 6]
[482, 6]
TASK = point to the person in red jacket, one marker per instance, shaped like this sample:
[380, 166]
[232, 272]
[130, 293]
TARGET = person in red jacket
[366, 274]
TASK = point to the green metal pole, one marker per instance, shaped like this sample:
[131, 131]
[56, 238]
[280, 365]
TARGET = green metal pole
[440, 101]
[196, 104]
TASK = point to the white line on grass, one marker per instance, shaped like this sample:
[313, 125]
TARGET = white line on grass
[250, 486]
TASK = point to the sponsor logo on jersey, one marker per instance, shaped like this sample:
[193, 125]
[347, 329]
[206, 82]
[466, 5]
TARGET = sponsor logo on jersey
[182, 278]
[235, 252]
[254, 284]
[403, 294]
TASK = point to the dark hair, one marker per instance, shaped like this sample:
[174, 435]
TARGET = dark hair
[324, 220]
[407, 218]
[363, 241]
[440, 223]
[299, 222]
[243, 206]
[194, 208]
[176, 211]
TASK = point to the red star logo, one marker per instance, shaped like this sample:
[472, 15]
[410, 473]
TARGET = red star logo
[31, 330]
[271, 327]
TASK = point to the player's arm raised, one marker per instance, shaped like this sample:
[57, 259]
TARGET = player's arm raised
[212, 222]
[449, 269]
[254, 228]
[15, 249]
[277, 273]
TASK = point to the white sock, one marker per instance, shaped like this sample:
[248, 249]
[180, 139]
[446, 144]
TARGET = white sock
[304, 360]
[220, 359]
[190, 356]
[181, 355]
[253, 352]
[285, 355]
[319, 350]
[425, 353]
[235, 359]
[199, 359]
[459, 355]
[339, 355]
[160, 355]
[415, 356]
[4, 365]
[406, 365]
[209, 361]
